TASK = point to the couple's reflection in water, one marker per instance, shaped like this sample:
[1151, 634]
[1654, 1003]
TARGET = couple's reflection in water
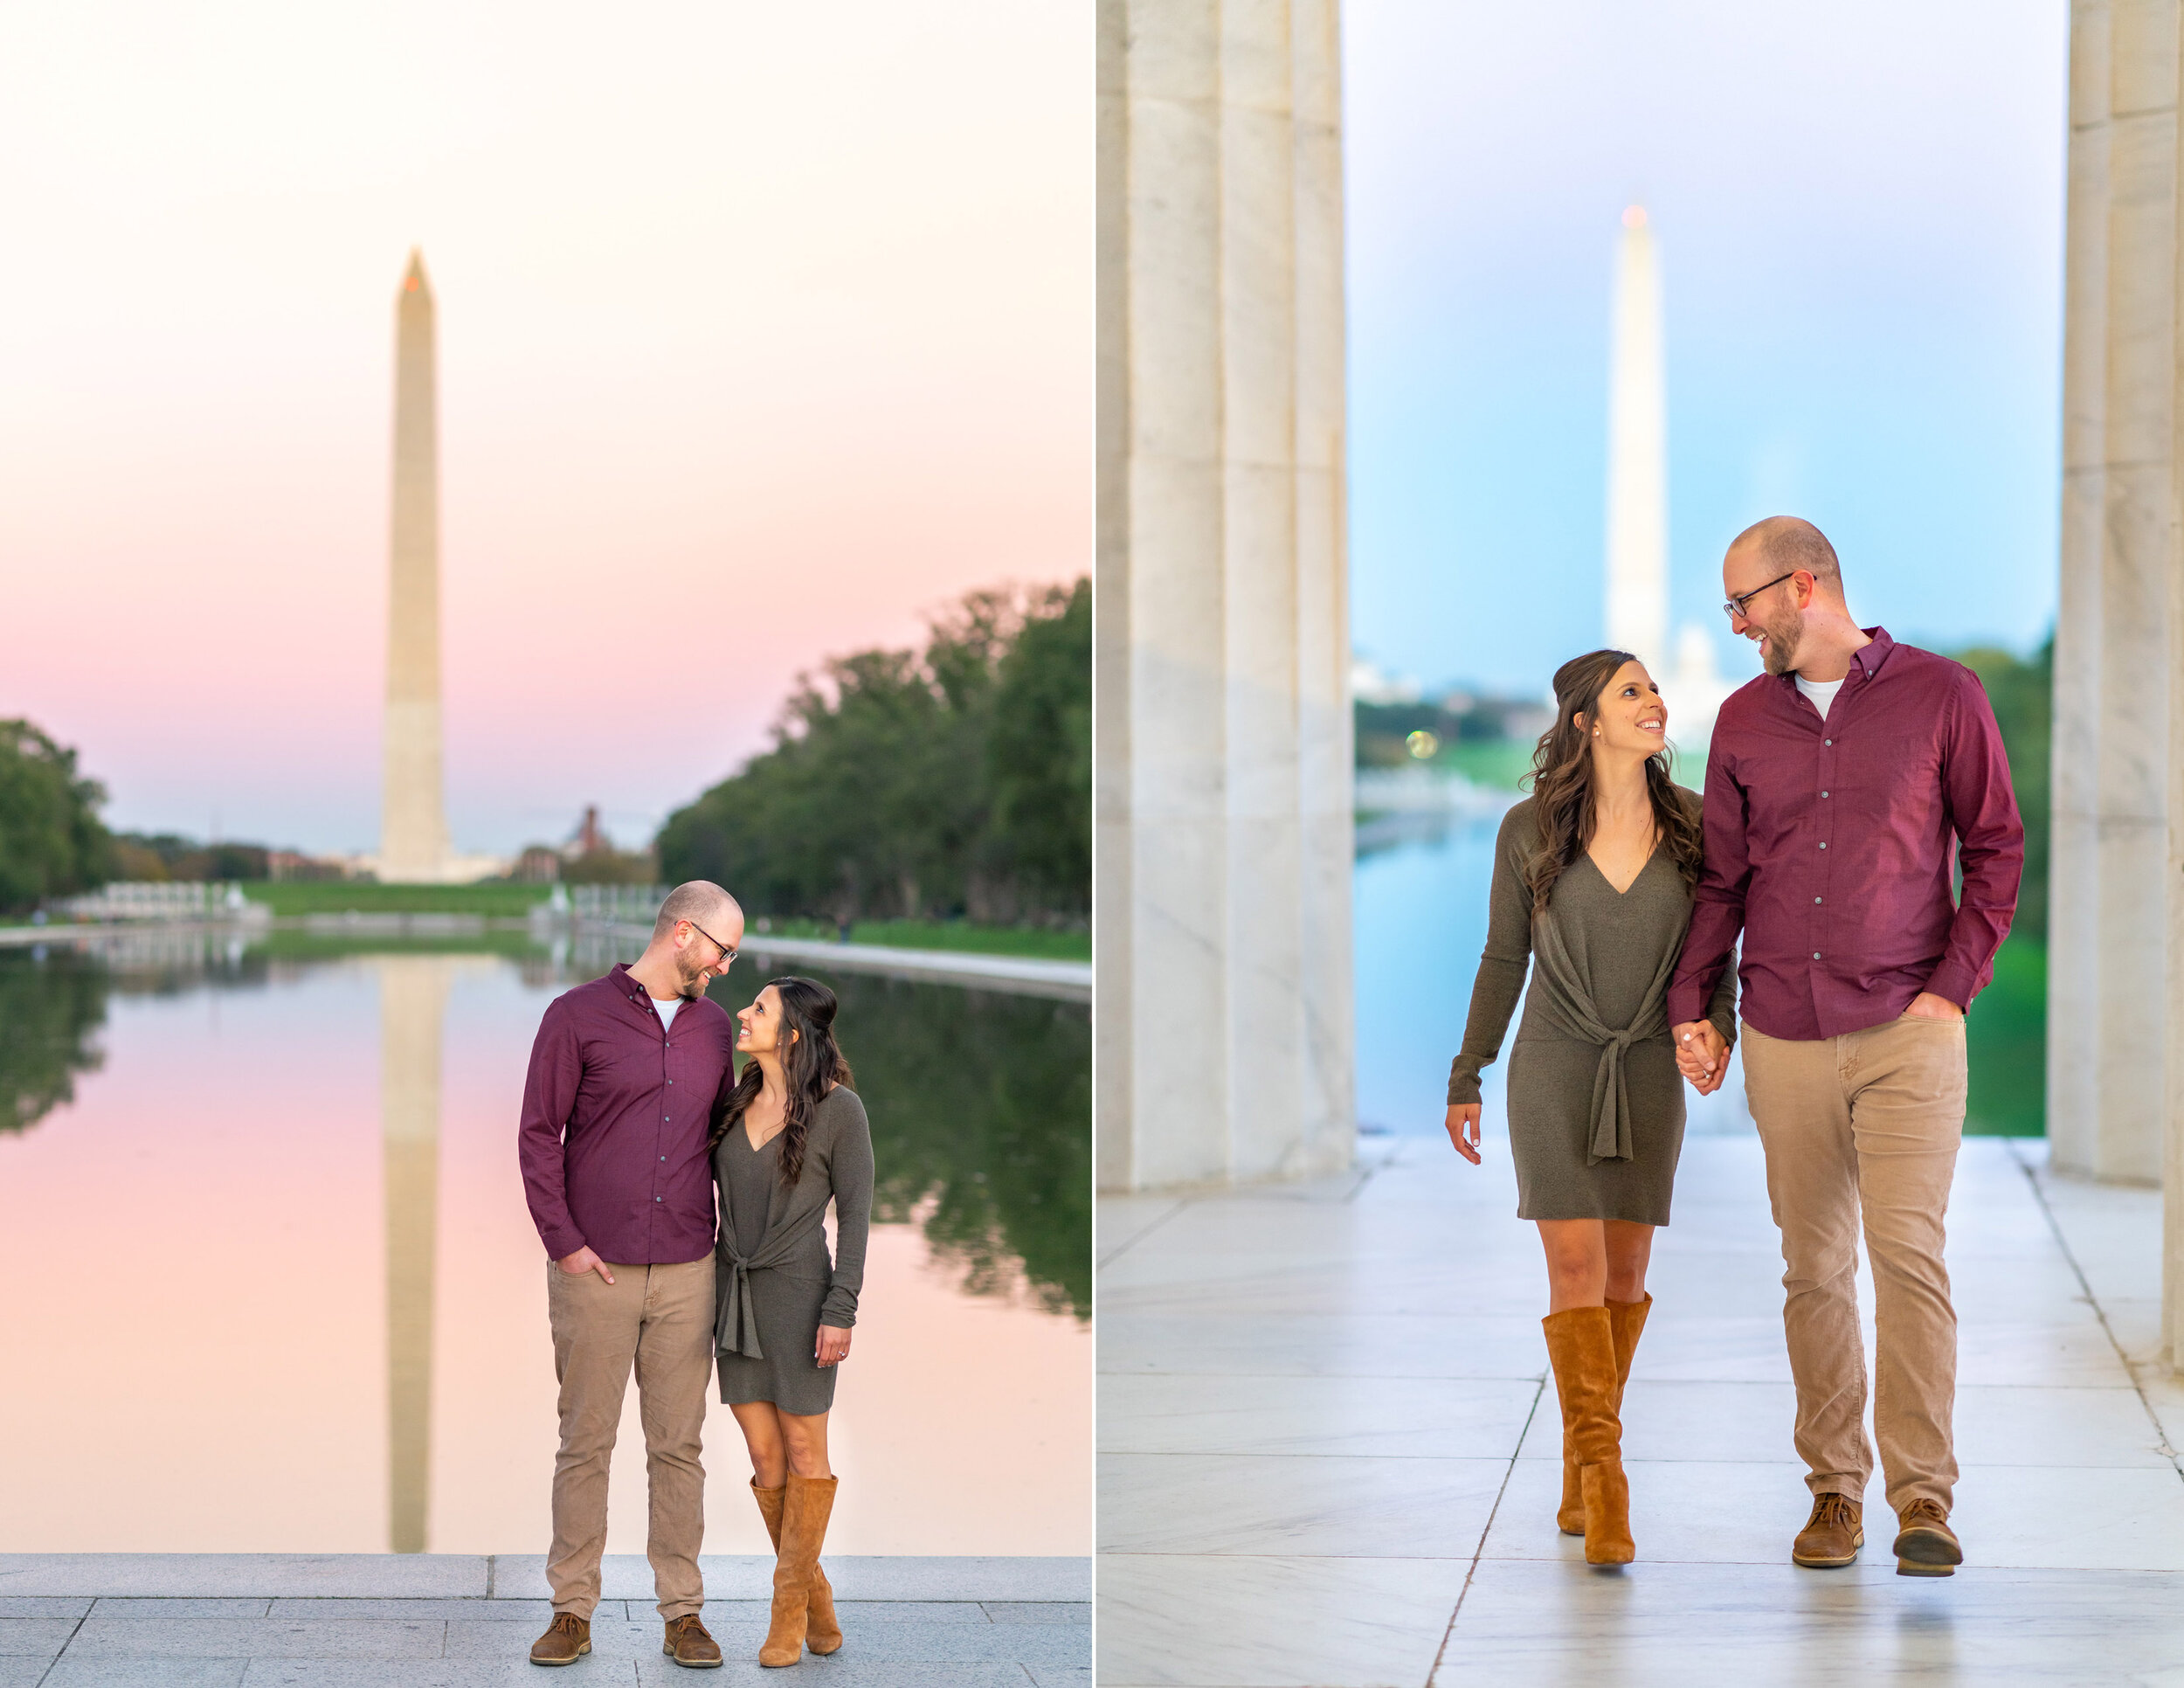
[980, 1103]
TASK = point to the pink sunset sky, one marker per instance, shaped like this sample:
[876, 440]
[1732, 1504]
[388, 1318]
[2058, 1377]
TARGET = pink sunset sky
[763, 331]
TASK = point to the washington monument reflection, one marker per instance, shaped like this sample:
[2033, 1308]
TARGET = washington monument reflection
[412, 1002]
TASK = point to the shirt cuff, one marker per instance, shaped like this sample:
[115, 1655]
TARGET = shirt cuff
[1687, 1003]
[1953, 982]
[561, 1244]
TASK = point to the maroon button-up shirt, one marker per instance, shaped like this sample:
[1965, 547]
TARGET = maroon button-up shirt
[616, 1113]
[1828, 844]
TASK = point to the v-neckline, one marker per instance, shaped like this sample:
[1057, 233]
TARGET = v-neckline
[757, 1148]
[1635, 878]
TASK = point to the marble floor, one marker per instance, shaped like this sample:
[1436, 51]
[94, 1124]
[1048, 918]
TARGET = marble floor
[1328, 1451]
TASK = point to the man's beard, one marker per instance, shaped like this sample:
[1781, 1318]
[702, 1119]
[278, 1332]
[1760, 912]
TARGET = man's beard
[694, 983]
[1782, 637]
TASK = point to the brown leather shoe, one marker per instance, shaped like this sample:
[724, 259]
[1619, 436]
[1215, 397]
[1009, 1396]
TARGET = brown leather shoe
[1926, 1547]
[1832, 1536]
[687, 1643]
[568, 1638]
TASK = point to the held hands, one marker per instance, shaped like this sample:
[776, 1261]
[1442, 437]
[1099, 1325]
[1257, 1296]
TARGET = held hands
[1701, 1056]
[1463, 1129]
[584, 1260]
[833, 1345]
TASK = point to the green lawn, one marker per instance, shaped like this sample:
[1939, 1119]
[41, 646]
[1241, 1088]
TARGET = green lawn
[2007, 1038]
[1037, 943]
[1500, 762]
[291, 897]
[307, 896]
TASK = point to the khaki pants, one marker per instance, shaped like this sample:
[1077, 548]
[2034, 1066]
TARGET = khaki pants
[1868, 1121]
[661, 1319]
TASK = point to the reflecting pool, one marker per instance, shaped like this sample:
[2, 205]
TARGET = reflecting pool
[276, 1289]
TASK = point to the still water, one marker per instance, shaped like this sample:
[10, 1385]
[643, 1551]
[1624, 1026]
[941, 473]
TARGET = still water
[274, 1287]
[1420, 915]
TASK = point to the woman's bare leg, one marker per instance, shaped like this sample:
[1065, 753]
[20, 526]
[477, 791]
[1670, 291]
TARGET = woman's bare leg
[1629, 1251]
[762, 1428]
[805, 1435]
[1577, 1263]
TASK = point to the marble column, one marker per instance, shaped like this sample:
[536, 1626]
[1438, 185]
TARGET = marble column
[1223, 777]
[2116, 987]
[412, 1003]
[413, 828]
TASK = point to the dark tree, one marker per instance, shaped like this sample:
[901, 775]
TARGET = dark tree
[901, 782]
[51, 843]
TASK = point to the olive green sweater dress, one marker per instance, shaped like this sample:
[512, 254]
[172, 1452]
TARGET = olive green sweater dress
[774, 1283]
[1595, 1102]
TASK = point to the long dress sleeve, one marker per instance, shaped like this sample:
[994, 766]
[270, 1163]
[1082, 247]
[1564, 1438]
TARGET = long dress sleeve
[852, 1171]
[1500, 980]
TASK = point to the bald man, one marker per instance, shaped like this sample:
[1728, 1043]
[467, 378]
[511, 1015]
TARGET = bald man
[1843, 788]
[625, 1077]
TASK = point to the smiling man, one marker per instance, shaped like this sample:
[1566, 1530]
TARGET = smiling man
[1843, 788]
[625, 1077]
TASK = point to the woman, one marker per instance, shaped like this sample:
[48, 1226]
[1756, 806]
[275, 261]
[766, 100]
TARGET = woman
[792, 1138]
[1592, 878]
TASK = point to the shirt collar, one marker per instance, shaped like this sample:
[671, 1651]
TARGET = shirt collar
[1867, 659]
[628, 987]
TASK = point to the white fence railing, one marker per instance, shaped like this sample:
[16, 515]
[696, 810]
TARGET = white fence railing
[603, 905]
[160, 900]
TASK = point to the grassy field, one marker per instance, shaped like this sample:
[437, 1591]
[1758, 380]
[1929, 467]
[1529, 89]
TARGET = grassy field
[1037, 944]
[2006, 1040]
[1499, 762]
[291, 897]
[304, 897]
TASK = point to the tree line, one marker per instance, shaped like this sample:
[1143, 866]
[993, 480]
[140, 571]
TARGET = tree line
[955, 779]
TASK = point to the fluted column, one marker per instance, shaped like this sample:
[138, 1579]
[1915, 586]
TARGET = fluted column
[1223, 738]
[2116, 947]
[2109, 940]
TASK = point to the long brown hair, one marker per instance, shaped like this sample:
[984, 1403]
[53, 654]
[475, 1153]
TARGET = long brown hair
[1561, 781]
[812, 1064]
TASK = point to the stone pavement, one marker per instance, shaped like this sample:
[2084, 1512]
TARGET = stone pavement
[454, 1620]
[1329, 1454]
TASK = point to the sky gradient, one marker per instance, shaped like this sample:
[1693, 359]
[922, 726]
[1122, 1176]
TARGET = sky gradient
[1859, 208]
[763, 332]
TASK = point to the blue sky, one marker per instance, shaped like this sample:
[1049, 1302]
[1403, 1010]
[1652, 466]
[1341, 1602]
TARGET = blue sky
[1860, 214]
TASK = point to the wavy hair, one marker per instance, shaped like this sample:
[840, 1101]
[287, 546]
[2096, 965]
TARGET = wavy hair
[812, 1064]
[1561, 781]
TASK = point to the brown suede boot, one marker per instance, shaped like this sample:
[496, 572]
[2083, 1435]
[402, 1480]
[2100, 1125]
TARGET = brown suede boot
[1832, 1535]
[1927, 1546]
[823, 1631]
[687, 1642]
[804, 1514]
[1581, 1346]
[1627, 1321]
[568, 1638]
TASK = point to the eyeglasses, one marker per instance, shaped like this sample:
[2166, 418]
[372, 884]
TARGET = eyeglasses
[1735, 607]
[728, 956]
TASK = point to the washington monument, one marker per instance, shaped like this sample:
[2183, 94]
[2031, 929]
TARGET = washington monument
[1637, 456]
[412, 825]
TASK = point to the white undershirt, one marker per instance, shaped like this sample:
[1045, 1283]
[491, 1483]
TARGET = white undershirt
[667, 1011]
[1822, 692]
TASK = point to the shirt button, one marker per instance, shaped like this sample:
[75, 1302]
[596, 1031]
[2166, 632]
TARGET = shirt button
[1826, 741]
[1823, 794]
[1823, 843]
[655, 1198]
[1815, 899]
[1816, 956]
